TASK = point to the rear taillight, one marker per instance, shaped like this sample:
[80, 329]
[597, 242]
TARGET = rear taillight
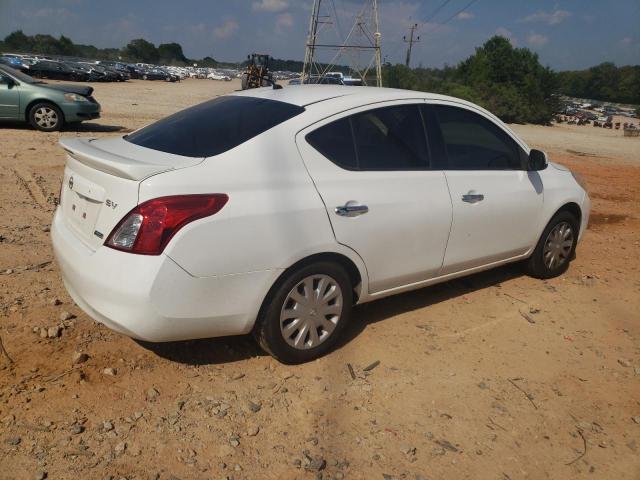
[147, 229]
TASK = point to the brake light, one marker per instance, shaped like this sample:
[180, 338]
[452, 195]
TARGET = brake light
[148, 228]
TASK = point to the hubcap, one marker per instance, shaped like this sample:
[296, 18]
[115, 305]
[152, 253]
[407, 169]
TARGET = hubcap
[46, 117]
[558, 245]
[311, 312]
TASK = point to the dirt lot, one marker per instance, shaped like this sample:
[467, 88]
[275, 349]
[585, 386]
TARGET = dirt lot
[497, 376]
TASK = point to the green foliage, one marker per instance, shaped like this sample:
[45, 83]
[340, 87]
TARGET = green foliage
[138, 50]
[508, 81]
[603, 82]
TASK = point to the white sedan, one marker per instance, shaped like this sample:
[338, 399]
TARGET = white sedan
[274, 211]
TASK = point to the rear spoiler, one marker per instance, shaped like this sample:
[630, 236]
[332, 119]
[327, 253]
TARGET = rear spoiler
[90, 153]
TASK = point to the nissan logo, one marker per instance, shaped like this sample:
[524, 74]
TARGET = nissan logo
[71, 183]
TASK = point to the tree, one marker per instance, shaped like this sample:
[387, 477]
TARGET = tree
[141, 50]
[509, 81]
[171, 53]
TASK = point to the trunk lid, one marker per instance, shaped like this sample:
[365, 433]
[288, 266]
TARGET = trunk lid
[101, 182]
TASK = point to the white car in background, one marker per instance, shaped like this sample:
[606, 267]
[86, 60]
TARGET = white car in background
[275, 211]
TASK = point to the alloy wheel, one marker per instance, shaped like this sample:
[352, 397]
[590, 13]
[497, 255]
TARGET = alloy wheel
[46, 117]
[557, 246]
[311, 311]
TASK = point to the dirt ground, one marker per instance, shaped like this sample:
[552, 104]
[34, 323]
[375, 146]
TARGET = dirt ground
[497, 376]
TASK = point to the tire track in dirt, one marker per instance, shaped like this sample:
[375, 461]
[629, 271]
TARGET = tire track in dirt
[35, 191]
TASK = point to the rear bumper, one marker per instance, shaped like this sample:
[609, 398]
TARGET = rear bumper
[152, 298]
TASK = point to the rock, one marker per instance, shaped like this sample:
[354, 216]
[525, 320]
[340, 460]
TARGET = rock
[234, 442]
[408, 450]
[64, 315]
[636, 419]
[13, 441]
[40, 475]
[237, 376]
[254, 407]
[338, 475]
[253, 430]
[315, 464]
[107, 426]
[54, 332]
[286, 375]
[79, 357]
[152, 394]
[120, 447]
[77, 429]
[483, 386]
[110, 371]
[447, 445]
[43, 333]
[137, 415]
[624, 362]
[55, 302]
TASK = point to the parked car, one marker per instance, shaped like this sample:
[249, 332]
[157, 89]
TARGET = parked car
[46, 107]
[53, 70]
[275, 211]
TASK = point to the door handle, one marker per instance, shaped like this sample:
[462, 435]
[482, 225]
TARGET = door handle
[472, 197]
[351, 209]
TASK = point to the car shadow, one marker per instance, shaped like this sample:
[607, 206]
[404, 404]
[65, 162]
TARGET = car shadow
[70, 127]
[232, 349]
[389, 307]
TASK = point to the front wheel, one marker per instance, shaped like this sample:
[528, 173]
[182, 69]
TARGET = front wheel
[303, 317]
[46, 117]
[556, 247]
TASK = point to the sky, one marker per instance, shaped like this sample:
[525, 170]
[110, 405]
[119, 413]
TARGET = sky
[567, 34]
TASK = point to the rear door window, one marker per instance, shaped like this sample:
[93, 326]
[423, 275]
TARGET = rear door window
[475, 143]
[214, 127]
[389, 138]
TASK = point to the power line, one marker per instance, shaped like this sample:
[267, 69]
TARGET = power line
[450, 18]
[435, 12]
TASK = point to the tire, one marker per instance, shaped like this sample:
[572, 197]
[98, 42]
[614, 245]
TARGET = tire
[144, 77]
[244, 82]
[328, 317]
[558, 241]
[46, 117]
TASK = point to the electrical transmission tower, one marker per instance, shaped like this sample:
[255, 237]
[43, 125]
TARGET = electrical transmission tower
[361, 45]
[411, 41]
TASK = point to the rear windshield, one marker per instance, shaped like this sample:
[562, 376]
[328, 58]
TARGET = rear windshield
[214, 127]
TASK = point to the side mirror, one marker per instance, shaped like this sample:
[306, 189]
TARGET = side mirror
[8, 81]
[537, 160]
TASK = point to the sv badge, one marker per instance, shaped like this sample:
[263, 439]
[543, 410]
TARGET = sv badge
[110, 204]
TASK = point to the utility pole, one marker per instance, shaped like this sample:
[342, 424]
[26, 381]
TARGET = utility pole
[411, 41]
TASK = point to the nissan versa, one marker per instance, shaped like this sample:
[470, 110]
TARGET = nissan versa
[45, 106]
[275, 211]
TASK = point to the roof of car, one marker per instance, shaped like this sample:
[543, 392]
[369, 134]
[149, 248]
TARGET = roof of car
[303, 95]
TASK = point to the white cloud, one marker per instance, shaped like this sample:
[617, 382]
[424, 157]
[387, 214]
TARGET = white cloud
[550, 18]
[270, 5]
[465, 16]
[537, 40]
[284, 21]
[226, 30]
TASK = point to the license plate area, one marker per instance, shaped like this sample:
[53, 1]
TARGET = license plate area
[82, 201]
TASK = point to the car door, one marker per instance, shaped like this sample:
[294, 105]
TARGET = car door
[372, 169]
[496, 201]
[9, 98]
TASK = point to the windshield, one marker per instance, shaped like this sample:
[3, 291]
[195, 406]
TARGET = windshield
[18, 75]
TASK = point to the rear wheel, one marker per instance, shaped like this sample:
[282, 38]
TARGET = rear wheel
[244, 82]
[556, 247]
[302, 319]
[46, 117]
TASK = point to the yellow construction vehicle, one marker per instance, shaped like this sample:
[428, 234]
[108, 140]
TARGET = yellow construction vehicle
[257, 74]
